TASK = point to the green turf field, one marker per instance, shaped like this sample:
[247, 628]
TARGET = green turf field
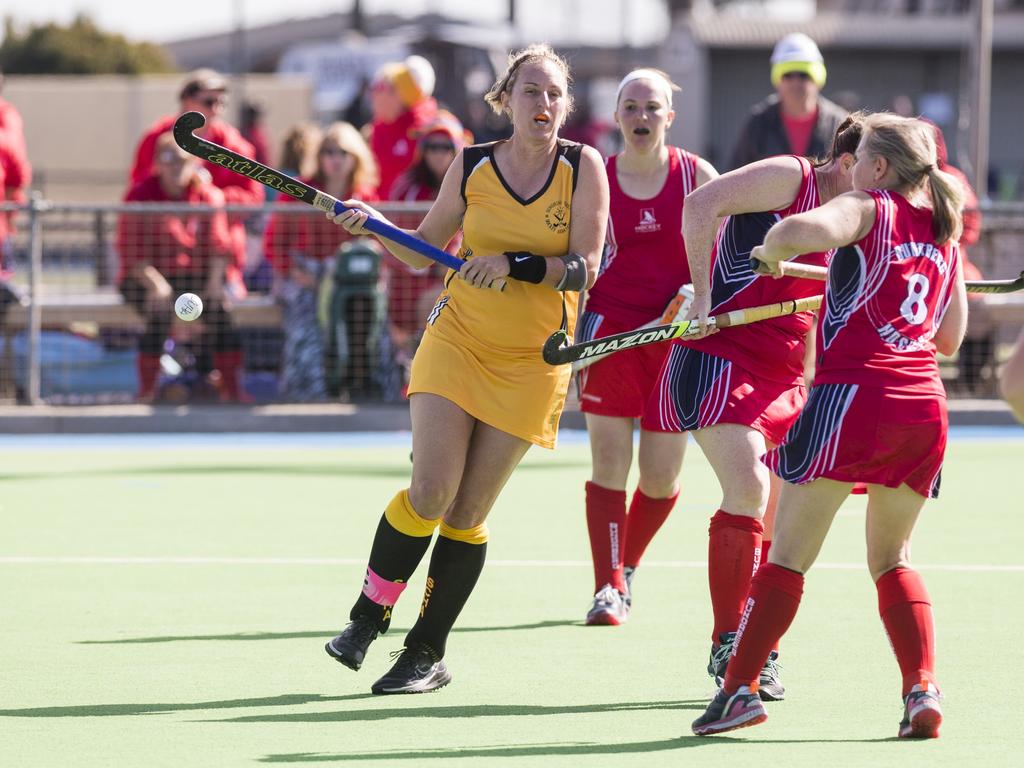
[166, 605]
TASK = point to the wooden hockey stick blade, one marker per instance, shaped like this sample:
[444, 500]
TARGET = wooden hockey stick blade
[557, 351]
[184, 135]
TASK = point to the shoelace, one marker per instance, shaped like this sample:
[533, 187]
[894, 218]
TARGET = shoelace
[720, 654]
[363, 631]
[608, 596]
[407, 657]
[772, 667]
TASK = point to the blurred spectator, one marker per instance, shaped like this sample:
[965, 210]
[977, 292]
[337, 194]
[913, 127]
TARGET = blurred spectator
[583, 127]
[411, 292]
[402, 102]
[164, 255]
[359, 112]
[252, 130]
[15, 177]
[298, 151]
[978, 347]
[298, 245]
[796, 119]
[902, 105]
[205, 91]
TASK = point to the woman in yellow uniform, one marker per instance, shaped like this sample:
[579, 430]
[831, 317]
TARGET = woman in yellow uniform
[533, 210]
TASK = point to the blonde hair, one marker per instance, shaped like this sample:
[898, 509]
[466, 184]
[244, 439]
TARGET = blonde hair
[531, 54]
[908, 144]
[298, 151]
[658, 77]
[345, 136]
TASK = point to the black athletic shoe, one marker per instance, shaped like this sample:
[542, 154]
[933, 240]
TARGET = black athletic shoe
[727, 712]
[350, 646]
[628, 573]
[718, 661]
[770, 687]
[417, 669]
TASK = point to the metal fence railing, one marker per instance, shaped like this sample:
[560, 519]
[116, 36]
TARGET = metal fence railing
[315, 316]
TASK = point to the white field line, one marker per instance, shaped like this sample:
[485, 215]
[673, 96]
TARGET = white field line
[333, 561]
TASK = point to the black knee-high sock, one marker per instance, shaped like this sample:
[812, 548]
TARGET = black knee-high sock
[455, 567]
[394, 556]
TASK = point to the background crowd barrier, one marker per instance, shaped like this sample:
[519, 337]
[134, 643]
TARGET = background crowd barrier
[68, 336]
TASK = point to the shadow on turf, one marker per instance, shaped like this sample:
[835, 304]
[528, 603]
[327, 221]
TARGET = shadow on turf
[474, 710]
[323, 470]
[324, 634]
[539, 750]
[114, 710]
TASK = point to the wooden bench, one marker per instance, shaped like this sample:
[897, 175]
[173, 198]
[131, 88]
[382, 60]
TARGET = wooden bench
[107, 309]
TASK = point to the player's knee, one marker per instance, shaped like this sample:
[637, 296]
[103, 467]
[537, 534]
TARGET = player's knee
[746, 498]
[431, 497]
[881, 560]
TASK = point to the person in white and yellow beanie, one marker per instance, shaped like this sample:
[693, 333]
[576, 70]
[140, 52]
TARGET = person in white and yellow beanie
[402, 100]
[796, 119]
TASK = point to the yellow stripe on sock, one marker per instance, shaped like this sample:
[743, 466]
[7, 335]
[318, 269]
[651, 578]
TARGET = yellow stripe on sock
[475, 535]
[403, 518]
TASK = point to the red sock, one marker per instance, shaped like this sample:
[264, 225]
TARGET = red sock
[766, 544]
[906, 612]
[646, 516]
[774, 598]
[230, 366]
[732, 548]
[606, 524]
[148, 367]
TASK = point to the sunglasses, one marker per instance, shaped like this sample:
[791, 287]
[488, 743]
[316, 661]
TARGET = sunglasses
[796, 76]
[432, 146]
[334, 151]
[213, 101]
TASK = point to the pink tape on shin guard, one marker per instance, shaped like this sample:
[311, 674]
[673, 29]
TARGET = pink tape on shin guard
[380, 590]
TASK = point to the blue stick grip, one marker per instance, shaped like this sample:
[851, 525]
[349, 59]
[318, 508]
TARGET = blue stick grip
[396, 235]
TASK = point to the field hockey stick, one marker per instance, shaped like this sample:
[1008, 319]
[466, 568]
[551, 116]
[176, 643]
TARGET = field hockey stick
[185, 137]
[673, 311]
[557, 352]
[795, 269]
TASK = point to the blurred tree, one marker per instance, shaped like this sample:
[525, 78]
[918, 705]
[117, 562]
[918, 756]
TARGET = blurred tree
[80, 48]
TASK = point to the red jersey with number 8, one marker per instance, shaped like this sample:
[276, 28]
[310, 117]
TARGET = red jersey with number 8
[885, 299]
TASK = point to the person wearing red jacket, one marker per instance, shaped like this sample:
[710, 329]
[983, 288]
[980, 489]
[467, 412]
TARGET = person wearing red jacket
[205, 91]
[402, 105]
[15, 177]
[409, 289]
[165, 254]
[297, 246]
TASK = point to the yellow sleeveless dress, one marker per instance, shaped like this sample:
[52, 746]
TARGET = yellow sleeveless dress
[482, 348]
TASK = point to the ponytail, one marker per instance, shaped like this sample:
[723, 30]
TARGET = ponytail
[947, 205]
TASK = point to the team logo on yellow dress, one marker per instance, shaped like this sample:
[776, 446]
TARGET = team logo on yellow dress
[556, 216]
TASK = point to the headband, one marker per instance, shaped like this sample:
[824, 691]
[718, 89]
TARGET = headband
[646, 74]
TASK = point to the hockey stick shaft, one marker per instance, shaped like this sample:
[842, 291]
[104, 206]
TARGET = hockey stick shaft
[812, 272]
[185, 137]
[555, 354]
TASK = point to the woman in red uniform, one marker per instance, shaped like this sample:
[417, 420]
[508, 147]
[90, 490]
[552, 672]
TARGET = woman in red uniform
[876, 413]
[644, 265]
[739, 391]
[164, 254]
[409, 290]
